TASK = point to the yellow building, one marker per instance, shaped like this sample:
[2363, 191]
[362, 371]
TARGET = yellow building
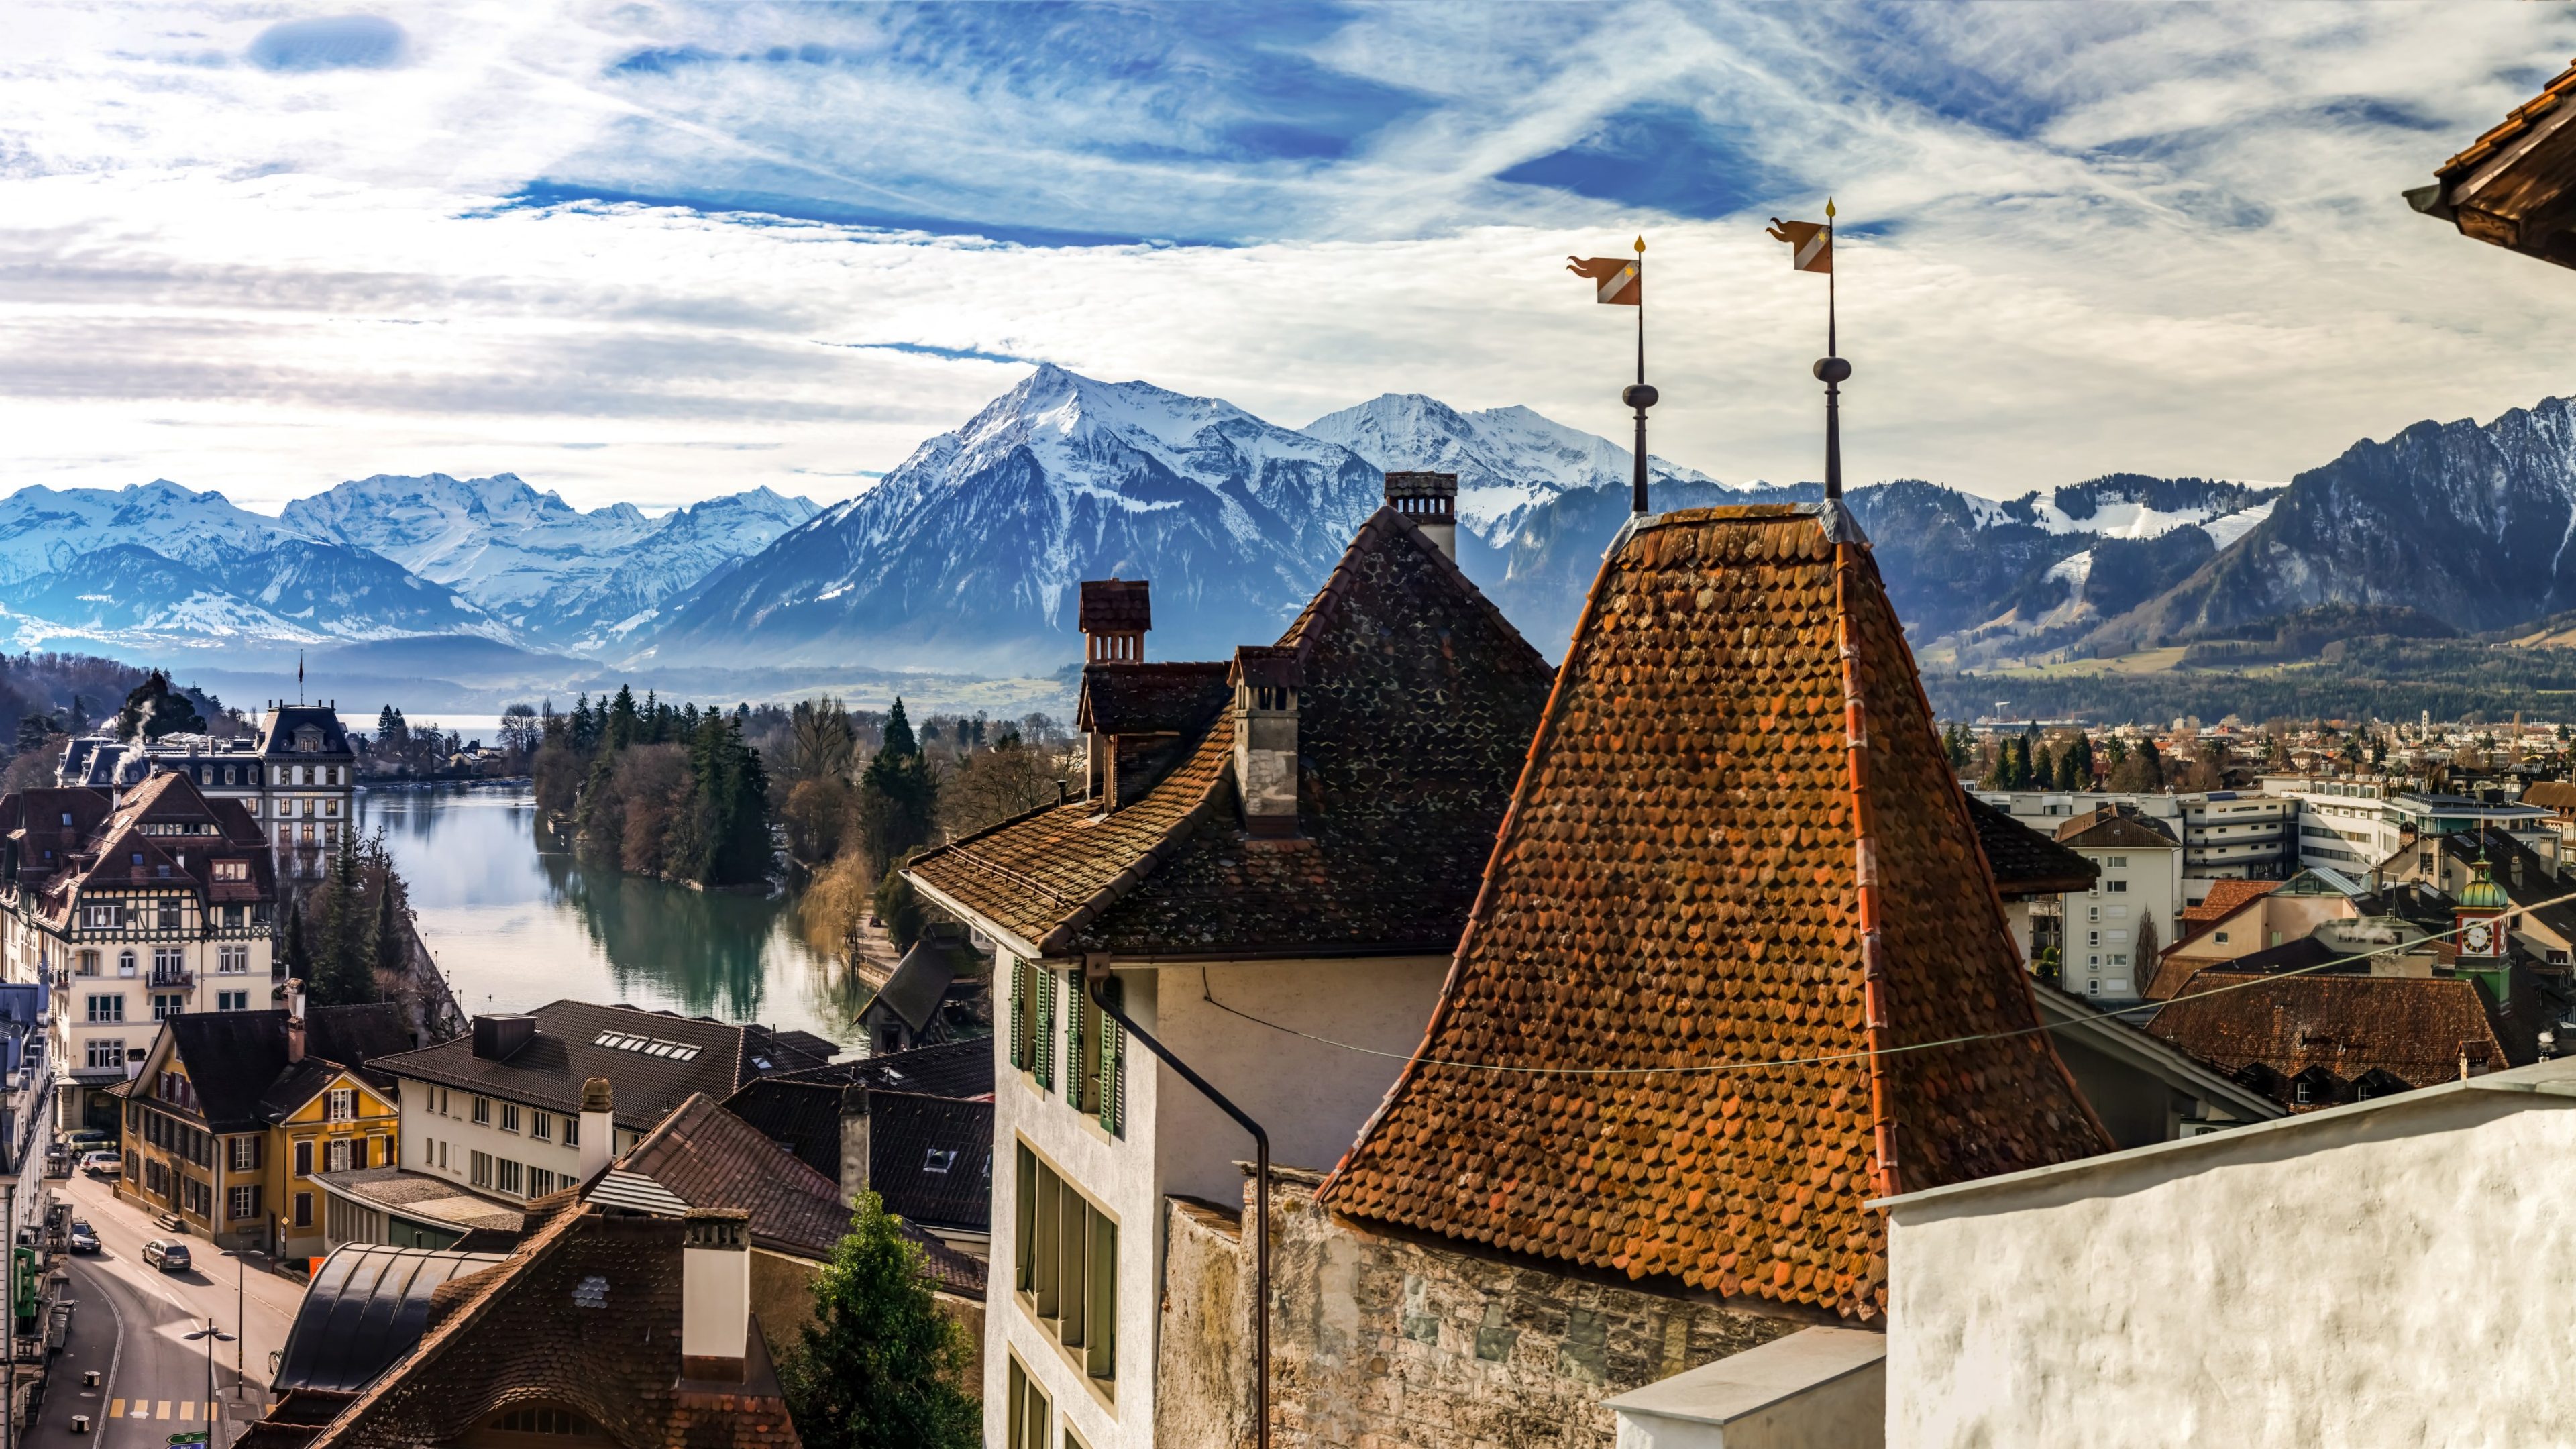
[235, 1114]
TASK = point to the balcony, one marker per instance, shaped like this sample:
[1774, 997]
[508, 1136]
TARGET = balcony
[174, 978]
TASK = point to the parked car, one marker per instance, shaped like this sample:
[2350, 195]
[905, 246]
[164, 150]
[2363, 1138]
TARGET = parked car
[168, 1254]
[102, 1164]
[87, 1139]
[83, 1240]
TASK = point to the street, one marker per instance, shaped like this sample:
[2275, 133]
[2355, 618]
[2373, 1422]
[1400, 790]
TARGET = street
[129, 1328]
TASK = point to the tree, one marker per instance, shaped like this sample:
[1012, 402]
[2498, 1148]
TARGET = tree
[520, 730]
[993, 785]
[898, 907]
[392, 950]
[880, 1366]
[898, 797]
[154, 709]
[299, 952]
[1956, 744]
[2149, 943]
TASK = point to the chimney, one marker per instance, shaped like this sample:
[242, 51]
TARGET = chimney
[1115, 617]
[598, 1128]
[498, 1035]
[294, 1021]
[1266, 678]
[855, 1141]
[715, 1294]
[1430, 502]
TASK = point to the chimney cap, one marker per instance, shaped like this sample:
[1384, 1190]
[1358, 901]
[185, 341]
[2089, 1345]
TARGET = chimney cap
[1116, 606]
[718, 1228]
[595, 1095]
[1274, 666]
[1424, 497]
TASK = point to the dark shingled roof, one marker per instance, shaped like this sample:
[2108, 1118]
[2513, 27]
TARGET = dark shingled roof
[2025, 862]
[236, 1060]
[2113, 826]
[931, 1159]
[1115, 606]
[1145, 699]
[112, 851]
[367, 1307]
[1416, 710]
[919, 985]
[2415, 1028]
[586, 1316]
[278, 731]
[1680, 885]
[566, 1051]
[802, 1110]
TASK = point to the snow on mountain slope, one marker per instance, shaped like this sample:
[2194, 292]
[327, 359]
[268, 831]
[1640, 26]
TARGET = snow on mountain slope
[1509, 460]
[42, 529]
[969, 553]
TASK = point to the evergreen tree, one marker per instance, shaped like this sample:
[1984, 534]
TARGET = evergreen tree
[299, 952]
[622, 721]
[1954, 741]
[392, 951]
[155, 709]
[898, 796]
[879, 1367]
[344, 961]
[34, 730]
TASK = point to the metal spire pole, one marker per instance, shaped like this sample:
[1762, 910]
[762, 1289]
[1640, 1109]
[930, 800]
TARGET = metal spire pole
[1640, 396]
[1833, 371]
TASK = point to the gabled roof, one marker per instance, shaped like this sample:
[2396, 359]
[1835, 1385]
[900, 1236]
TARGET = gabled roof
[2558, 795]
[576, 1041]
[1416, 706]
[801, 1111]
[237, 1060]
[931, 1159]
[1139, 698]
[2112, 827]
[919, 985]
[44, 829]
[1654, 1053]
[2414, 1027]
[2025, 862]
[128, 845]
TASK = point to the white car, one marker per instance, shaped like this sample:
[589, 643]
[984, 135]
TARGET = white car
[102, 1164]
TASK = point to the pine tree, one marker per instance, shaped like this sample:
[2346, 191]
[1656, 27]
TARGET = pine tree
[299, 951]
[392, 950]
[344, 968]
[898, 796]
[880, 1366]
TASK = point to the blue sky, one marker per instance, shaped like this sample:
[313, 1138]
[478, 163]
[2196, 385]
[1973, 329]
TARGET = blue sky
[658, 251]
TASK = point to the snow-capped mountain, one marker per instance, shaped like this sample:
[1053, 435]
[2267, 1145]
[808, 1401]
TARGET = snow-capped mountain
[1509, 461]
[551, 571]
[968, 555]
[42, 529]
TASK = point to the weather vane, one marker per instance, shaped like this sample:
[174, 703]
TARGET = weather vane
[1619, 282]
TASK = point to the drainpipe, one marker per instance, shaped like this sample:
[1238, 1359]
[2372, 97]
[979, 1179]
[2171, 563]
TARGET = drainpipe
[1096, 970]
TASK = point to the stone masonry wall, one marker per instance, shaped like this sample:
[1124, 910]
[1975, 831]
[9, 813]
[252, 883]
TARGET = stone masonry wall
[1379, 1342]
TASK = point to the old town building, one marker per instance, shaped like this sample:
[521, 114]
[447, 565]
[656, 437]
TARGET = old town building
[297, 777]
[161, 903]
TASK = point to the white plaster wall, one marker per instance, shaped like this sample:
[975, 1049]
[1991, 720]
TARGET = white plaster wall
[2392, 1274]
[423, 1127]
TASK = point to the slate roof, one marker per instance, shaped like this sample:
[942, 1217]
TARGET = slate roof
[41, 842]
[1413, 719]
[367, 1306]
[802, 1110]
[278, 729]
[919, 985]
[114, 848]
[2025, 862]
[931, 1159]
[1141, 699]
[1677, 887]
[2412, 1027]
[2535, 882]
[585, 1315]
[236, 1060]
[566, 1051]
[2114, 826]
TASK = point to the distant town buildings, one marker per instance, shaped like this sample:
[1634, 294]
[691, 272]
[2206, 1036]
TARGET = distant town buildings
[296, 778]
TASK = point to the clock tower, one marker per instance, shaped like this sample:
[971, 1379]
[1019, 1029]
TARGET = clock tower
[2480, 932]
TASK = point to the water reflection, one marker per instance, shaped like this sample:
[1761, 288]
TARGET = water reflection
[517, 922]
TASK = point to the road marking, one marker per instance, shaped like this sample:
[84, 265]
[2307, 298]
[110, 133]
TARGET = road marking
[188, 1409]
[116, 1409]
[165, 1410]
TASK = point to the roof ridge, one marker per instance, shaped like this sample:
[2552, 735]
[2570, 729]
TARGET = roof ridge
[1307, 627]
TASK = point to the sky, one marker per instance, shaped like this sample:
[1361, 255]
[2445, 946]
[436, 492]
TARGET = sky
[659, 252]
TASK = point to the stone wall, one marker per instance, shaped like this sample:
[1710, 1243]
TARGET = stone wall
[1379, 1342]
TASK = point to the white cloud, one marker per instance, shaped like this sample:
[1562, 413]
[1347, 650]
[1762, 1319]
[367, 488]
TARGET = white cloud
[2160, 239]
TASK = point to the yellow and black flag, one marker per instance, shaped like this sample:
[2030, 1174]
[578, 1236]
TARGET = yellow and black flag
[1621, 282]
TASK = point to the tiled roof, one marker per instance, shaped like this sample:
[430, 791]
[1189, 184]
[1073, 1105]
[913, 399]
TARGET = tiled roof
[802, 1110]
[2225, 898]
[1142, 699]
[2025, 862]
[931, 1159]
[2111, 827]
[2412, 1027]
[1415, 711]
[2517, 121]
[2558, 795]
[236, 1060]
[566, 1051]
[40, 840]
[1700, 868]
[585, 1316]
[919, 985]
[115, 848]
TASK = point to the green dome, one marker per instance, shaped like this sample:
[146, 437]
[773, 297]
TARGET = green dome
[2483, 893]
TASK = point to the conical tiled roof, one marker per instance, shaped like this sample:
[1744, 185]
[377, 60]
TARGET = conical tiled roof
[1683, 885]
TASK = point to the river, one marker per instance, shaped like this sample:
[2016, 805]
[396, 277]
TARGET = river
[516, 922]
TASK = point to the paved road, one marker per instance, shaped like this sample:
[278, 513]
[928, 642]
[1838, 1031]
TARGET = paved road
[128, 1327]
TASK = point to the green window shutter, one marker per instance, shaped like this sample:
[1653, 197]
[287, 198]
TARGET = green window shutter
[1044, 1036]
[1019, 1014]
[1077, 1011]
[1112, 1090]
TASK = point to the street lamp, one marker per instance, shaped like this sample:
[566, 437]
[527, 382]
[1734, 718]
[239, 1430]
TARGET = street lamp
[212, 1336]
[241, 1267]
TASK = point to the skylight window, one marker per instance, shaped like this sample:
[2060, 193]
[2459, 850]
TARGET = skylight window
[940, 1159]
[649, 1046]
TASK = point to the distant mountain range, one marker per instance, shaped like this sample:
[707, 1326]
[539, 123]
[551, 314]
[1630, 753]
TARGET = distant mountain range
[964, 560]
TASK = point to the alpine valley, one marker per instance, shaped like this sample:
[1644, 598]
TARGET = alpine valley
[964, 561]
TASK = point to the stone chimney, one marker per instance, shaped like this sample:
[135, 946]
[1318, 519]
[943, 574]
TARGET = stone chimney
[294, 1021]
[1430, 502]
[598, 1128]
[1115, 616]
[1266, 679]
[715, 1294]
[855, 1141]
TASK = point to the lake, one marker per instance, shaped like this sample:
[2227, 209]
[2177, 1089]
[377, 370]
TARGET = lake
[516, 922]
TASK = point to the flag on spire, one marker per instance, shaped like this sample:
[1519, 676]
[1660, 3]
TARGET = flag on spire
[1811, 243]
[1618, 279]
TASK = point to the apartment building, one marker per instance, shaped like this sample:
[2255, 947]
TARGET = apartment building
[297, 778]
[2355, 825]
[2133, 909]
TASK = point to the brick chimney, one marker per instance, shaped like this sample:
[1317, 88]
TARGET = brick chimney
[715, 1294]
[1115, 616]
[598, 1128]
[855, 1141]
[1430, 502]
[294, 1021]
[1266, 679]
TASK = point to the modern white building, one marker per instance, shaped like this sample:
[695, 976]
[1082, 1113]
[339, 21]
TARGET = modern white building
[2225, 834]
[2133, 909]
[2355, 825]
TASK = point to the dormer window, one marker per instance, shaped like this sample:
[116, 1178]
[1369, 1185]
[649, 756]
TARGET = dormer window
[308, 740]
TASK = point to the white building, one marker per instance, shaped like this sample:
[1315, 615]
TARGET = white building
[2404, 1293]
[2355, 825]
[1285, 843]
[297, 779]
[2132, 911]
[2225, 834]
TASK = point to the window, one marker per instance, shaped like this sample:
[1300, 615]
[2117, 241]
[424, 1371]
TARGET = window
[244, 1155]
[232, 1001]
[2424, 864]
[244, 1203]
[2299, 1090]
[540, 1182]
[2116, 887]
[479, 1169]
[2092, 913]
[1065, 1265]
[303, 1159]
[483, 1111]
[543, 1421]
[2092, 988]
[572, 1131]
[1028, 1410]
[509, 1116]
[124, 963]
[89, 963]
[940, 1159]
[107, 1008]
[167, 1004]
[167, 914]
[232, 960]
[2115, 862]
[541, 1126]
[342, 1105]
[507, 1178]
[337, 1154]
[442, 1156]
[98, 918]
[106, 1052]
[2092, 938]
[304, 1209]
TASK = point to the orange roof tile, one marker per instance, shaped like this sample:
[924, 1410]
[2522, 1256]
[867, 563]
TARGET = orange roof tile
[2516, 121]
[1700, 868]
[2224, 899]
